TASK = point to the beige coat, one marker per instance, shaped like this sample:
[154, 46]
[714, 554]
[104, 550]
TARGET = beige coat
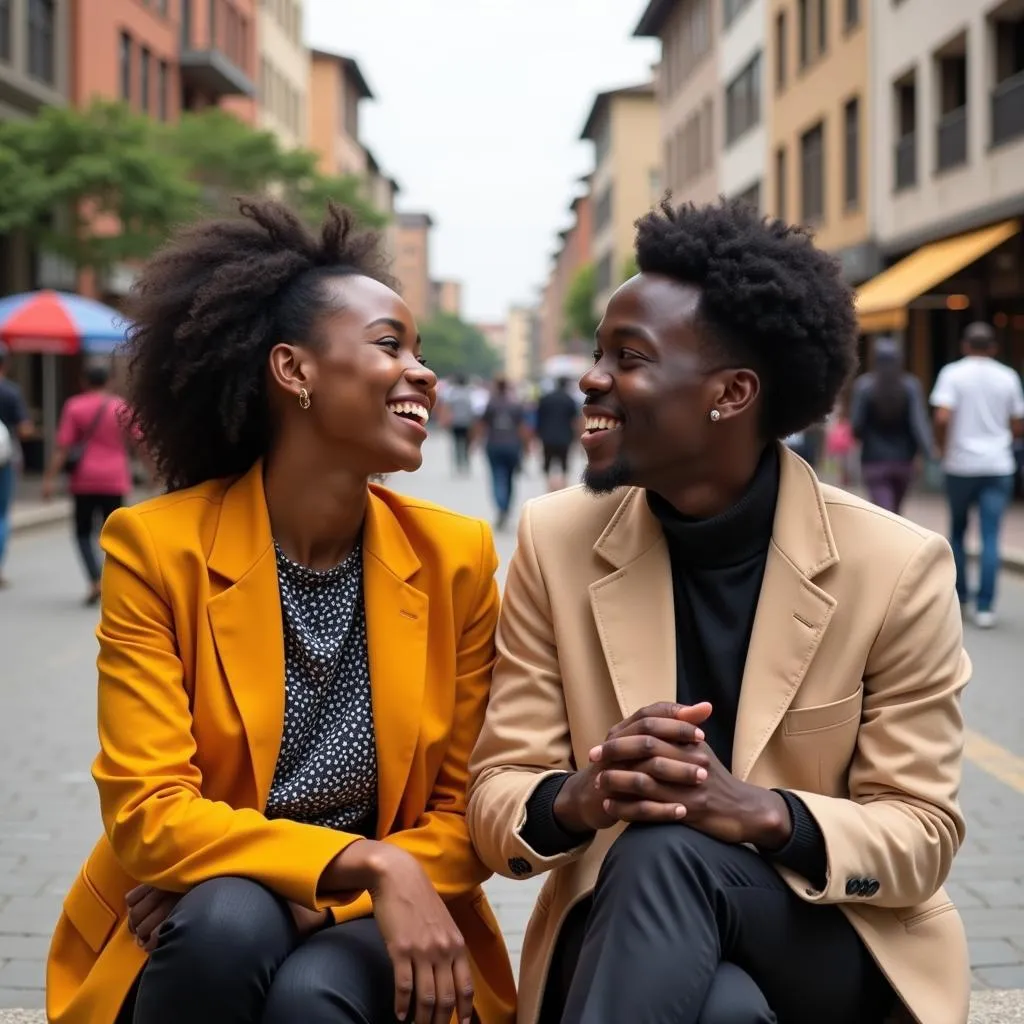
[850, 698]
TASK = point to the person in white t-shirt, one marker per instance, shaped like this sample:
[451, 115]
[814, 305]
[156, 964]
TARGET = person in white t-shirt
[979, 409]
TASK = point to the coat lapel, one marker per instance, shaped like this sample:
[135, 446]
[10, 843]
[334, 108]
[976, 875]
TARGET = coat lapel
[397, 624]
[633, 607]
[245, 619]
[792, 611]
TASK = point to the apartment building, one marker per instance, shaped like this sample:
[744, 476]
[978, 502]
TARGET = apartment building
[336, 90]
[412, 262]
[743, 163]
[624, 126]
[571, 256]
[446, 297]
[949, 162]
[34, 72]
[284, 72]
[820, 116]
[521, 345]
[382, 191]
[688, 93]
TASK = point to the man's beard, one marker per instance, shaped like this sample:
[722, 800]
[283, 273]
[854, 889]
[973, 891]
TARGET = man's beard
[603, 481]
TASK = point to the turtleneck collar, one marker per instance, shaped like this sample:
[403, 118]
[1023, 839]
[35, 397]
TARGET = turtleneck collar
[733, 536]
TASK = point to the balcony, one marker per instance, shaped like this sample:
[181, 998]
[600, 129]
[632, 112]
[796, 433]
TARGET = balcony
[214, 74]
[1008, 109]
[906, 161]
[951, 140]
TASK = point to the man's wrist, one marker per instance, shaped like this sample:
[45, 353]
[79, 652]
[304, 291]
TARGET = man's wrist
[769, 823]
[567, 808]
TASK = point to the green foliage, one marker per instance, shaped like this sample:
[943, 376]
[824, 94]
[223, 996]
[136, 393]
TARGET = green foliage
[450, 345]
[104, 185]
[581, 320]
[629, 268]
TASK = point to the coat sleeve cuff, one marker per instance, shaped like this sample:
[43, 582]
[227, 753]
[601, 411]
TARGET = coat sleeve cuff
[805, 853]
[541, 830]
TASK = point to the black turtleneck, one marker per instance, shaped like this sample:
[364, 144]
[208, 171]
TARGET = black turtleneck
[717, 569]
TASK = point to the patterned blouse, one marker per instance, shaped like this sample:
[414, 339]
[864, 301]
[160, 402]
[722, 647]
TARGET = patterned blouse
[327, 768]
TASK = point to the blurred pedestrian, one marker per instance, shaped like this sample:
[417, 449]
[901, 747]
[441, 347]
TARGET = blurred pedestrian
[504, 432]
[558, 427]
[979, 409]
[16, 426]
[93, 451]
[458, 416]
[889, 417]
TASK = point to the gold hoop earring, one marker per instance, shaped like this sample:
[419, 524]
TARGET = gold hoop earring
[304, 402]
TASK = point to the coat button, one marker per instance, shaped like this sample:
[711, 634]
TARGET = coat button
[519, 866]
[853, 886]
[873, 887]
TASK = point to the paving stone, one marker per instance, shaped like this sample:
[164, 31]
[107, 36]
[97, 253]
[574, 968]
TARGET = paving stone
[21, 974]
[993, 953]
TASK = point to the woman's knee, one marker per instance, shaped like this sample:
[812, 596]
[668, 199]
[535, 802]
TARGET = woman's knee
[227, 921]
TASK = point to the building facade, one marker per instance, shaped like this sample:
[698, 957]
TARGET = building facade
[689, 99]
[820, 117]
[284, 72]
[337, 88]
[412, 262]
[948, 78]
[573, 254]
[741, 59]
[624, 127]
[521, 345]
[447, 297]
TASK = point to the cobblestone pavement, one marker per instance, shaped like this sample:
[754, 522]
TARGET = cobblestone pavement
[48, 814]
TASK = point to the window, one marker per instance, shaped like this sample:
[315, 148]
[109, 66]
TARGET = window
[5, 29]
[804, 30]
[41, 39]
[781, 51]
[126, 67]
[812, 174]
[851, 154]
[822, 26]
[851, 15]
[731, 10]
[700, 29]
[213, 24]
[707, 141]
[750, 196]
[905, 99]
[144, 60]
[162, 86]
[186, 24]
[780, 183]
[743, 101]
[603, 210]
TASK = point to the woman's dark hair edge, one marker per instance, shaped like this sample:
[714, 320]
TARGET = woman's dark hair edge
[770, 299]
[205, 312]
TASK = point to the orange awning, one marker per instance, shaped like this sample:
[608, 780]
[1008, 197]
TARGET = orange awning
[882, 302]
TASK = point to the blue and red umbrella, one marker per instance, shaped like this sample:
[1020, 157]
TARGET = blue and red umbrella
[59, 323]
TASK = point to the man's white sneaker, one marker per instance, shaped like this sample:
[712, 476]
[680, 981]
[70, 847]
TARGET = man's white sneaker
[984, 620]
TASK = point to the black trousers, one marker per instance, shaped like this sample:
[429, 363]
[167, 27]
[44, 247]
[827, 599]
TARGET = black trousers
[685, 929]
[91, 512]
[460, 446]
[229, 954]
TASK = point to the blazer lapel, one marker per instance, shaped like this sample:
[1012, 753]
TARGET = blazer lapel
[245, 619]
[792, 611]
[397, 622]
[633, 607]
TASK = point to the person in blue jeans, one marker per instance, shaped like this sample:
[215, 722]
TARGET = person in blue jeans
[505, 431]
[979, 410]
[15, 418]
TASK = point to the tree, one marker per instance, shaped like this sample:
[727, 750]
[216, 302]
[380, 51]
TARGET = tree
[227, 158]
[580, 317]
[91, 186]
[450, 346]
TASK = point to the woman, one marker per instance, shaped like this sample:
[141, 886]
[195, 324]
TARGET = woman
[92, 432]
[293, 668]
[890, 419]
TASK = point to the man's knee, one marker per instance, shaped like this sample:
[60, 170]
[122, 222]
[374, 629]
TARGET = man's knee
[664, 843]
[227, 922]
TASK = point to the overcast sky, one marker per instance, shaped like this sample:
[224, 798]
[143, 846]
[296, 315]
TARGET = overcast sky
[479, 106]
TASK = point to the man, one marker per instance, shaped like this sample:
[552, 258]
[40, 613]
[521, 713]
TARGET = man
[458, 416]
[979, 410]
[725, 713]
[18, 426]
[504, 432]
[557, 428]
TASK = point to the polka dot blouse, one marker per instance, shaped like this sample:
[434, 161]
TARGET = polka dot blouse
[327, 768]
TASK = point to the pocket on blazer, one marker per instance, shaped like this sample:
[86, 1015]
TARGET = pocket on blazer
[819, 717]
[89, 912]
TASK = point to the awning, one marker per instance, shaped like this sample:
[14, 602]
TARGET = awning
[882, 302]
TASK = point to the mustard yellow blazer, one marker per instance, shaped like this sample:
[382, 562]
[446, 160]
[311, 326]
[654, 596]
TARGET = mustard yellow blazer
[191, 712]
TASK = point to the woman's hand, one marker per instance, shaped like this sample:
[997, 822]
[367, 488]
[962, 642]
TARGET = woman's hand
[149, 907]
[427, 951]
